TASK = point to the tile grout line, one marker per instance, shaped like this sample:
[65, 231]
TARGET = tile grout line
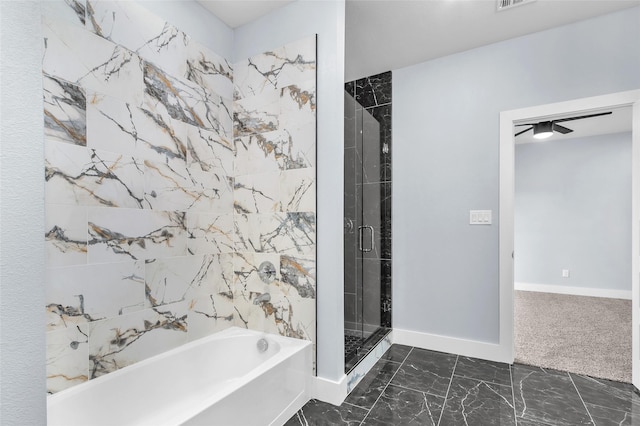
[513, 395]
[580, 395]
[406, 356]
[377, 105]
[444, 403]
[354, 405]
[418, 390]
[385, 387]
[600, 405]
[483, 381]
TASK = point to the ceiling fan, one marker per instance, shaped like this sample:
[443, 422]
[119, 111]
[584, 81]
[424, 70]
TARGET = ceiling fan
[544, 129]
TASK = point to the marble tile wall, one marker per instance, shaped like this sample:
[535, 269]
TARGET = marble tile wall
[274, 196]
[161, 209]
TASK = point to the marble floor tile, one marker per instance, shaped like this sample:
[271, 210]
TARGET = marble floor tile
[608, 417]
[411, 386]
[523, 422]
[547, 396]
[400, 406]
[397, 353]
[426, 371]
[372, 384]
[606, 393]
[474, 402]
[318, 413]
[479, 369]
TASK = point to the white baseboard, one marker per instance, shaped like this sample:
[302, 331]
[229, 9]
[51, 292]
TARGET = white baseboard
[434, 342]
[333, 392]
[576, 291]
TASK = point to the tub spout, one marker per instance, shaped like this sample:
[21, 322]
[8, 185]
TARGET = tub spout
[264, 297]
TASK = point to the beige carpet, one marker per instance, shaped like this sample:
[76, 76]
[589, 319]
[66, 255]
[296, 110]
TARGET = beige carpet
[584, 335]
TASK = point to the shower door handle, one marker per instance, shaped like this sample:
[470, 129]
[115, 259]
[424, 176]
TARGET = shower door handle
[361, 238]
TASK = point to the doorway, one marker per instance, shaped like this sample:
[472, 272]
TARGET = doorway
[508, 119]
[572, 230]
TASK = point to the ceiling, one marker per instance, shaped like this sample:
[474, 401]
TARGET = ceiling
[383, 35]
[236, 13]
[391, 34]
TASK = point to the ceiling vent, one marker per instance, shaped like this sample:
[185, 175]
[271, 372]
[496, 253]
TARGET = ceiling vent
[508, 4]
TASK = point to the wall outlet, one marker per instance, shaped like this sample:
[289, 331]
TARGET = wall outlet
[565, 273]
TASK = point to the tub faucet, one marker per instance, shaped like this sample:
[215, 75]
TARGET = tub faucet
[264, 297]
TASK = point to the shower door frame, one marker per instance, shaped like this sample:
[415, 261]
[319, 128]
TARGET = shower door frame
[365, 239]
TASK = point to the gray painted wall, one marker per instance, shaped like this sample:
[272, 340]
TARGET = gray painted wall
[446, 145]
[22, 255]
[573, 211]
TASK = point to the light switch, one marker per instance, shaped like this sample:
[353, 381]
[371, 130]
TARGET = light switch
[479, 217]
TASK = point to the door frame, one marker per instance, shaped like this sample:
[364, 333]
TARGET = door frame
[506, 208]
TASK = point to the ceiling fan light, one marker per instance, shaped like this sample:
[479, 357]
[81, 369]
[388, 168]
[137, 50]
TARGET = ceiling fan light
[543, 135]
[543, 130]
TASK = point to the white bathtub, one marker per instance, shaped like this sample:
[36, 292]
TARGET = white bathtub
[219, 380]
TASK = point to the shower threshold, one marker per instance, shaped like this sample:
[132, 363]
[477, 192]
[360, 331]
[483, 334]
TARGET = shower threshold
[357, 346]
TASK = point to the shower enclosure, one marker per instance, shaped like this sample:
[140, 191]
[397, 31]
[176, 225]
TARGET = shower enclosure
[367, 215]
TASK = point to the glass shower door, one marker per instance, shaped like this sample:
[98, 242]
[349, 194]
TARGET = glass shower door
[369, 224]
[352, 220]
[365, 299]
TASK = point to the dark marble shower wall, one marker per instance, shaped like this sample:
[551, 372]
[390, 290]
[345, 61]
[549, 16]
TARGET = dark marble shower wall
[368, 178]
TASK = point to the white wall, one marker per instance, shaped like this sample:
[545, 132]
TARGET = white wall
[573, 211]
[22, 256]
[297, 20]
[446, 145]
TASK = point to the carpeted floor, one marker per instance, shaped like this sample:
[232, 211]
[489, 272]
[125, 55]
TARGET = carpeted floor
[584, 335]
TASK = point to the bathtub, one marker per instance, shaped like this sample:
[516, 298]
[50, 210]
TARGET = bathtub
[222, 379]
